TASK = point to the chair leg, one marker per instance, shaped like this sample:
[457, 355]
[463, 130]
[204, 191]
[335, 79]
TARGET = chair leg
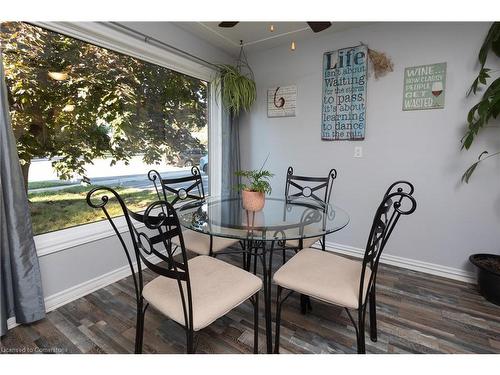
[256, 324]
[139, 328]
[361, 330]
[373, 316]
[278, 320]
[254, 262]
[189, 341]
[305, 304]
[284, 256]
[245, 256]
[211, 251]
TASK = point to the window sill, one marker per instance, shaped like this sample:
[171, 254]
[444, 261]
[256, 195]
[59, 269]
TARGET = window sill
[53, 242]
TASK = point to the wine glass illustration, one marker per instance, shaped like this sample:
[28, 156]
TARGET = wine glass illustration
[437, 89]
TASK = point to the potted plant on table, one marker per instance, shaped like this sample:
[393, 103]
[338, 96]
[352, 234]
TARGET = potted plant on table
[253, 193]
[478, 117]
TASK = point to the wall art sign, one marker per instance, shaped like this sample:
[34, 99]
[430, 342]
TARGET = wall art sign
[424, 87]
[343, 114]
[282, 101]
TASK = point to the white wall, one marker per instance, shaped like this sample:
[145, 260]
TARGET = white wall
[171, 34]
[452, 220]
[71, 272]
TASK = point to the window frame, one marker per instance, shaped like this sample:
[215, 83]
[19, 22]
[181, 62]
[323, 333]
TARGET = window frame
[107, 36]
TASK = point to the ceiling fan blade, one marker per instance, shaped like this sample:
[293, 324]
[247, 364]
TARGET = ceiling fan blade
[319, 26]
[228, 24]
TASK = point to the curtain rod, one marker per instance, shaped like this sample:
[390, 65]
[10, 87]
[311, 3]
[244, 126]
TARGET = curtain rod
[148, 39]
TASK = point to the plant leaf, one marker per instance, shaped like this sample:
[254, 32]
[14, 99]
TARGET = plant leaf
[468, 173]
[493, 35]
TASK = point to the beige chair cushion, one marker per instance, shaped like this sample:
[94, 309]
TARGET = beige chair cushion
[306, 242]
[199, 243]
[217, 287]
[324, 276]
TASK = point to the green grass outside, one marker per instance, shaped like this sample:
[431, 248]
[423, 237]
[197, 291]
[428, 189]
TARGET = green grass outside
[47, 184]
[59, 209]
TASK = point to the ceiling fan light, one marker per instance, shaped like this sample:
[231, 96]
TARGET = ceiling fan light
[228, 24]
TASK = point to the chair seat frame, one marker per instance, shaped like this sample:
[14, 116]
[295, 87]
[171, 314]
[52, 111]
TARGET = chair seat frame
[159, 217]
[397, 201]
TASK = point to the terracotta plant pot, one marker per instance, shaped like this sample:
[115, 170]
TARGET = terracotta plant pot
[253, 200]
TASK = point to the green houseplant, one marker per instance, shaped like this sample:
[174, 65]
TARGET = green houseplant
[253, 193]
[488, 107]
[479, 116]
[237, 89]
[236, 84]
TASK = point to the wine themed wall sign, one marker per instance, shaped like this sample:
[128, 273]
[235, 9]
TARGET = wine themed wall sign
[282, 101]
[424, 87]
[343, 114]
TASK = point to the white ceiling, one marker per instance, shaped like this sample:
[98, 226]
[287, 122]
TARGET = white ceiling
[257, 35]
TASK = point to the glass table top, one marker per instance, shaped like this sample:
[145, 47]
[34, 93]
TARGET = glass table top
[279, 219]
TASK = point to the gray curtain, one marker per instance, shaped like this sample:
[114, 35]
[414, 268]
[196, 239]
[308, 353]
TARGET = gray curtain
[21, 294]
[230, 153]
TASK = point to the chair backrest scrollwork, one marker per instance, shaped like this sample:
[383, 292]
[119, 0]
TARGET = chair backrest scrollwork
[151, 234]
[397, 201]
[166, 187]
[309, 187]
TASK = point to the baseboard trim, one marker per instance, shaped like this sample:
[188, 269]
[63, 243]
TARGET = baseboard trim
[411, 264]
[11, 323]
[59, 299]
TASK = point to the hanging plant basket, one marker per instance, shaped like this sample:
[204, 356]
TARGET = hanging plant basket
[238, 91]
[236, 85]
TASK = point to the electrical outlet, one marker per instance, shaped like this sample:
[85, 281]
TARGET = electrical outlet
[358, 152]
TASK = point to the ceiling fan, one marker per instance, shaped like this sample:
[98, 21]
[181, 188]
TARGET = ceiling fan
[315, 26]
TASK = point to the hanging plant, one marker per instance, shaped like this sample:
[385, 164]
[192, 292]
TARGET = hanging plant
[382, 64]
[236, 85]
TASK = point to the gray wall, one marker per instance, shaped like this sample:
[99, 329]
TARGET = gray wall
[66, 269]
[452, 219]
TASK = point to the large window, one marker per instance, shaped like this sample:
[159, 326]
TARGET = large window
[84, 115]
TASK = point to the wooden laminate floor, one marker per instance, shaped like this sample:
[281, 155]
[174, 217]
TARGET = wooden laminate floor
[417, 313]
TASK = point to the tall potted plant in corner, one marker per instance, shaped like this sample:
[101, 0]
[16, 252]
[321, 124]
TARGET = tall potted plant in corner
[482, 113]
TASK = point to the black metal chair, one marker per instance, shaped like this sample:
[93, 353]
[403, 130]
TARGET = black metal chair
[341, 281]
[193, 293]
[196, 242]
[318, 188]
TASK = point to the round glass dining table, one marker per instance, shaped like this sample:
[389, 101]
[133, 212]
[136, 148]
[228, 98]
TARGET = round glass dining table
[262, 232]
